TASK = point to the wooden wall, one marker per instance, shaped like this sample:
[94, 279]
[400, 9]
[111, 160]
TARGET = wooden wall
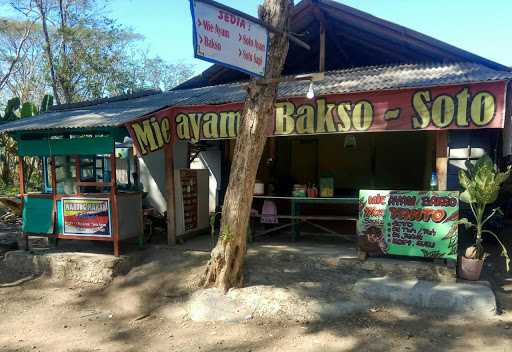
[391, 160]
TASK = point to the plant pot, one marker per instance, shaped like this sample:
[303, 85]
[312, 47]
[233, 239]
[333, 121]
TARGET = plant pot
[470, 269]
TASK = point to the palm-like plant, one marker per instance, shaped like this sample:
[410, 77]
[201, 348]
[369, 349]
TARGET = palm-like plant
[15, 110]
[482, 183]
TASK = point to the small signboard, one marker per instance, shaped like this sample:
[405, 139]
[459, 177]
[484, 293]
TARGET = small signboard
[86, 217]
[409, 223]
[226, 38]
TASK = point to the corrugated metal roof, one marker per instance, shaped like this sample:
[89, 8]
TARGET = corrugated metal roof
[356, 39]
[365, 79]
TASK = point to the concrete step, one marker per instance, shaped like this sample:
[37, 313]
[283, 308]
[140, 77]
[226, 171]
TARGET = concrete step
[81, 268]
[477, 301]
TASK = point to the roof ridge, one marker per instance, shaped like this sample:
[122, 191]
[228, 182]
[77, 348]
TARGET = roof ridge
[85, 103]
[345, 81]
[346, 70]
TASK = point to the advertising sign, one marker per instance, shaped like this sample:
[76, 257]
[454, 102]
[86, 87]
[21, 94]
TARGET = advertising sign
[86, 217]
[223, 37]
[408, 223]
[471, 106]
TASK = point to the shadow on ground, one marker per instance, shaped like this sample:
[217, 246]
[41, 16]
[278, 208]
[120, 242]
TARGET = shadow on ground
[146, 310]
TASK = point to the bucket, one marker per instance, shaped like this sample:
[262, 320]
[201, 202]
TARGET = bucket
[470, 269]
[259, 189]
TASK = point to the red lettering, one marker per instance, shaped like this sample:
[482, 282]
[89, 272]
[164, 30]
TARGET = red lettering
[232, 19]
[402, 200]
[211, 43]
[377, 199]
[259, 46]
[439, 201]
[425, 215]
[438, 215]
[373, 212]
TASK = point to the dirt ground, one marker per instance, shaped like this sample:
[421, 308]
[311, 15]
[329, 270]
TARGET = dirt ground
[147, 311]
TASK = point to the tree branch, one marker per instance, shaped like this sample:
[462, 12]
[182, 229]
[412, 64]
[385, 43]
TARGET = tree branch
[17, 56]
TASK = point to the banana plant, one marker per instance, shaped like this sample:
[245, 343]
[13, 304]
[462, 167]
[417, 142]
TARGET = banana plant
[10, 112]
[46, 103]
[482, 183]
[16, 110]
[28, 109]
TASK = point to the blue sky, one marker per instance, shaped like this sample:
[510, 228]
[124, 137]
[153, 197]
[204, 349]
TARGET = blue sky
[482, 27]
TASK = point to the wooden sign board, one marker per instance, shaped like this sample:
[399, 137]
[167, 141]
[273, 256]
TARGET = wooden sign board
[409, 223]
[468, 106]
[87, 217]
[225, 37]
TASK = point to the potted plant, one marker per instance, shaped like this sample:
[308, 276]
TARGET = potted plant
[482, 183]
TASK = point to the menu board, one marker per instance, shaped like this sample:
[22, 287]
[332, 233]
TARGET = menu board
[224, 37]
[86, 216]
[408, 223]
[189, 189]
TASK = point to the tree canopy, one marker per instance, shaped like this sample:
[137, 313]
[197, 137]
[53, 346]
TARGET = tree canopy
[70, 49]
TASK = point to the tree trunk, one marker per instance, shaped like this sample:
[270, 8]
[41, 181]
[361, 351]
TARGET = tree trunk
[41, 5]
[64, 72]
[225, 268]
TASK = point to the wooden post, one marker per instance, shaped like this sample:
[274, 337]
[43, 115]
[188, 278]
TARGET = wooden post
[21, 180]
[77, 172]
[113, 198]
[319, 15]
[321, 65]
[170, 194]
[21, 176]
[442, 159]
[53, 168]
[54, 176]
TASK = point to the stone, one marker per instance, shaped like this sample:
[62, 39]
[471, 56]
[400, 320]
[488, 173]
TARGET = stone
[268, 302]
[81, 268]
[477, 301]
[332, 310]
[8, 238]
[410, 269]
[213, 305]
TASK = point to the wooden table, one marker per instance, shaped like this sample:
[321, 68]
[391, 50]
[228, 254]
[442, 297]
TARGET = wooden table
[296, 218]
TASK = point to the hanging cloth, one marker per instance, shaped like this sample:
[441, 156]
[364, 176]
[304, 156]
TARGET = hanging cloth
[269, 213]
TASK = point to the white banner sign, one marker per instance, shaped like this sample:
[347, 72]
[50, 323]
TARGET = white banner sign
[225, 38]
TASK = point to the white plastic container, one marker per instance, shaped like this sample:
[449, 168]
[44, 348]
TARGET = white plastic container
[259, 189]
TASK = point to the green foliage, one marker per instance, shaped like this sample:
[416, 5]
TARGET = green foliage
[46, 103]
[8, 171]
[10, 110]
[93, 56]
[10, 190]
[213, 218]
[226, 234]
[14, 110]
[28, 109]
[482, 183]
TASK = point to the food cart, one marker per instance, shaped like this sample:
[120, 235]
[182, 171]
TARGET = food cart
[90, 188]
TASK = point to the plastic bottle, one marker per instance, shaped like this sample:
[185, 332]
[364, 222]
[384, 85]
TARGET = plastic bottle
[433, 182]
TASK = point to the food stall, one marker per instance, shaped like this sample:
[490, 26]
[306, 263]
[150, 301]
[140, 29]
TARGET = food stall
[90, 186]
[324, 153]
[95, 187]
